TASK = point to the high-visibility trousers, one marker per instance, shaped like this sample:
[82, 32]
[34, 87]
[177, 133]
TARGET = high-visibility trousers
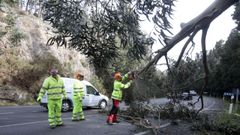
[77, 113]
[54, 112]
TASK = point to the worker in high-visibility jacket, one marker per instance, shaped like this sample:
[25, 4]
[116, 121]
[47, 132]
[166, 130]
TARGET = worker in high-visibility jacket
[78, 93]
[117, 94]
[54, 87]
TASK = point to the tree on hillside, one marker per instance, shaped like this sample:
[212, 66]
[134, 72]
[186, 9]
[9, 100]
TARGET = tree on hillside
[215, 78]
[230, 61]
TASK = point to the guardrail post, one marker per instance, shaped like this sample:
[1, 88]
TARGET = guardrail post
[231, 104]
[237, 96]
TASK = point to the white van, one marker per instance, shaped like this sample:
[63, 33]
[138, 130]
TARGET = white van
[92, 98]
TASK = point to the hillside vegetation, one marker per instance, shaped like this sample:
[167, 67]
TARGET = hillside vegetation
[25, 58]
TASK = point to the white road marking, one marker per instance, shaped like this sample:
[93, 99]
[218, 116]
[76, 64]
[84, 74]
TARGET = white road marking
[22, 124]
[6, 113]
[33, 106]
[28, 123]
[146, 132]
[36, 122]
[143, 133]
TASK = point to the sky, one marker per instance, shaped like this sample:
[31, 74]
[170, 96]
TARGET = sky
[186, 10]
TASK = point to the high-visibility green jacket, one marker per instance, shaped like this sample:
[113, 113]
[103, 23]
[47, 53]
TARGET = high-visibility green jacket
[78, 90]
[53, 87]
[118, 86]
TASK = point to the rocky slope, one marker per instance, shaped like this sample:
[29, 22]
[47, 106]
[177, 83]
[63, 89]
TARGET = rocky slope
[25, 59]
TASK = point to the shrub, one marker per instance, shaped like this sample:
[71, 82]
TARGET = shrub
[30, 76]
[98, 83]
[2, 33]
[10, 2]
[16, 36]
[10, 20]
[227, 124]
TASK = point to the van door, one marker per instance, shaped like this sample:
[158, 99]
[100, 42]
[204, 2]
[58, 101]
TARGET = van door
[92, 97]
[68, 84]
[85, 101]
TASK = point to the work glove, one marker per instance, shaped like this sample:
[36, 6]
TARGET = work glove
[131, 75]
[39, 99]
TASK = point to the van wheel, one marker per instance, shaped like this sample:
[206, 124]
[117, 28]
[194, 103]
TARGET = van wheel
[66, 105]
[102, 104]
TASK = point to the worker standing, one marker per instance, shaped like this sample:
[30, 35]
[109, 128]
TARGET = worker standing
[54, 87]
[117, 94]
[78, 94]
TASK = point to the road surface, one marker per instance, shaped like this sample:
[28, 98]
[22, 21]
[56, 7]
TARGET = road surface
[32, 120]
[210, 103]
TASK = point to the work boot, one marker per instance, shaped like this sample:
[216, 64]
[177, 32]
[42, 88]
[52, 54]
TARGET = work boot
[61, 124]
[81, 119]
[115, 119]
[75, 119]
[52, 126]
[110, 120]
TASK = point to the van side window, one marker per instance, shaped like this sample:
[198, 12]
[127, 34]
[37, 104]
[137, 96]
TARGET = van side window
[90, 90]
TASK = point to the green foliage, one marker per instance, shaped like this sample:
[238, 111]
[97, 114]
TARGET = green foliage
[187, 76]
[2, 33]
[30, 75]
[16, 36]
[95, 33]
[230, 61]
[169, 111]
[24, 74]
[98, 83]
[10, 2]
[223, 64]
[236, 15]
[10, 20]
[225, 124]
[228, 124]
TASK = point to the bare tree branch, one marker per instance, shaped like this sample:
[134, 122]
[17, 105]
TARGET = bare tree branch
[204, 53]
[185, 46]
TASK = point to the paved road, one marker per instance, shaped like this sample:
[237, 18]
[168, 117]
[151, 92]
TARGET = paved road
[210, 103]
[32, 120]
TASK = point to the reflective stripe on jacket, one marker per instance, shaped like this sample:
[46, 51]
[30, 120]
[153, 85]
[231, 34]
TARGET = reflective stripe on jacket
[53, 87]
[78, 90]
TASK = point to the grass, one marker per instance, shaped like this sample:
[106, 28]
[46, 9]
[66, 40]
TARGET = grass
[236, 107]
[2, 103]
[223, 124]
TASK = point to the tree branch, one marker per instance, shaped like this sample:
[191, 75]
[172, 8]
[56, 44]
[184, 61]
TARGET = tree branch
[185, 46]
[211, 13]
[205, 66]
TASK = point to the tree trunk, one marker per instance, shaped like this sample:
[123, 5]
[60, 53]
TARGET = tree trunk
[27, 4]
